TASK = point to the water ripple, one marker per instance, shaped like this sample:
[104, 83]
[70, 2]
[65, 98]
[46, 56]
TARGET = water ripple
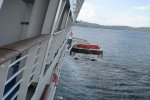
[122, 74]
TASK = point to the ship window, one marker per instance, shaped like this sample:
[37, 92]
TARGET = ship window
[94, 52]
[29, 1]
[1, 2]
[31, 91]
[85, 51]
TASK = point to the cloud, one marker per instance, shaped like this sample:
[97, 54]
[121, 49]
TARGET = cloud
[87, 12]
[97, 14]
[92, 13]
[135, 21]
[145, 7]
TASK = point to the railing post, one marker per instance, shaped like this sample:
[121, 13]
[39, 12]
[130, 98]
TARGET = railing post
[3, 76]
[27, 72]
[40, 60]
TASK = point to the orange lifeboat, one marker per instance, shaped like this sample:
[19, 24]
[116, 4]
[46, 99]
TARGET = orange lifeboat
[86, 50]
[88, 46]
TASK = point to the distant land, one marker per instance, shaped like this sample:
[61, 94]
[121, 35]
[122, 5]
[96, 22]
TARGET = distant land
[87, 24]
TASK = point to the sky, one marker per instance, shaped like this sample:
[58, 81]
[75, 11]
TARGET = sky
[135, 13]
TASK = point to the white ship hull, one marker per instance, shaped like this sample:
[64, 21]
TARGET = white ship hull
[34, 37]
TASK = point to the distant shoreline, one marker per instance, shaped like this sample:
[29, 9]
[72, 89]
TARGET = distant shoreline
[93, 25]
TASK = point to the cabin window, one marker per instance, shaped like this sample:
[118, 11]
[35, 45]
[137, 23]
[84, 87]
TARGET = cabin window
[85, 51]
[1, 2]
[94, 52]
[29, 1]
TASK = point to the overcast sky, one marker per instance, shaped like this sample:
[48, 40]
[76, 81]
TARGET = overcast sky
[117, 12]
[134, 13]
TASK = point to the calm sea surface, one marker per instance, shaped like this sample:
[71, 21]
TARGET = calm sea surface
[122, 74]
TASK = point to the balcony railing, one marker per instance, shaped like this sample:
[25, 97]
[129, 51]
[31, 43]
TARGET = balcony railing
[21, 63]
[15, 58]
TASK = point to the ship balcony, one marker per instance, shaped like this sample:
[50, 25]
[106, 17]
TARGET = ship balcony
[26, 66]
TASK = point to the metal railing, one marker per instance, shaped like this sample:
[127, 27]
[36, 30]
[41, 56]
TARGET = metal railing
[15, 59]
[52, 61]
[21, 62]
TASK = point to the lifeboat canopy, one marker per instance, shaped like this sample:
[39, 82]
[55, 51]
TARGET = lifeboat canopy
[88, 46]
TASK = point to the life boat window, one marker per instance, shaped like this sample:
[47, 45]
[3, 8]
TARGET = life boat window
[94, 52]
[85, 51]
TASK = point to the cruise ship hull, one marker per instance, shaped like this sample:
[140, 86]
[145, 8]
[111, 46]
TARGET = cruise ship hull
[33, 37]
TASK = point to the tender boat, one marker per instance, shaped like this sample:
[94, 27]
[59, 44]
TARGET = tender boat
[86, 51]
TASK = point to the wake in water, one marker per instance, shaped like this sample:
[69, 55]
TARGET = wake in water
[122, 74]
[96, 80]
